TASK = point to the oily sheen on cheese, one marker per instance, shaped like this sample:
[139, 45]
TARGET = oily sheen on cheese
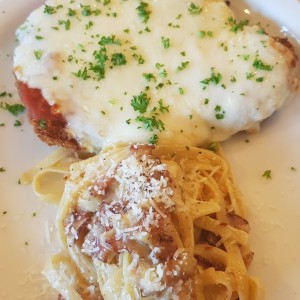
[152, 71]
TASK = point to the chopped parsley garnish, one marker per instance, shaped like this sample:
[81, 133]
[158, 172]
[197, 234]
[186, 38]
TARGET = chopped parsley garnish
[99, 67]
[206, 101]
[219, 113]
[162, 108]
[143, 11]
[86, 10]
[4, 94]
[39, 37]
[202, 34]
[38, 54]
[293, 169]
[82, 73]
[259, 65]
[165, 42]
[50, 10]
[151, 123]
[214, 78]
[140, 102]
[109, 40]
[233, 79]
[153, 139]
[261, 31]
[194, 9]
[259, 79]
[14, 109]
[181, 91]
[2, 169]
[267, 174]
[17, 123]
[71, 12]
[140, 60]
[67, 24]
[89, 25]
[182, 66]
[42, 124]
[163, 73]
[118, 59]
[158, 66]
[149, 77]
[250, 75]
[235, 27]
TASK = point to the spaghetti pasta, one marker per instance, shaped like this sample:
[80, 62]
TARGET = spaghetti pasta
[152, 222]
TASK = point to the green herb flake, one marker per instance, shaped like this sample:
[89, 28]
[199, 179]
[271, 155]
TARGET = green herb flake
[165, 42]
[17, 123]
[267, 174]
[39, 37]
[233, 79]
[261, 31]
[219, 113]
[182, 66]
[109, 40]
[2, 169]
[260, 79]
[66, 23]
[162, 108]
[38, 54]
[158, 66]
[99, 66]
[151, 123]
[82, 73]
[42, 124]
[249, 75]
[149, 77]
[140, 60]
[181, 91]
[140, 102]
[143, 11]
[50, 10]
[118, 59]
[293, 169]
[236, 26]
[89, 25]
[153, 139]
[15, 109]
[214, 78]
[86, 11]
[71, 12]
[163, 73]
[260, 65]
[194, 10]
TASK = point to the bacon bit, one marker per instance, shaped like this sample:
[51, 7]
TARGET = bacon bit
[143, 149]
[238, 222]
[100, 186]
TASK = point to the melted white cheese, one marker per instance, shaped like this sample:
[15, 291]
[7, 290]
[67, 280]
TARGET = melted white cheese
[53, 47]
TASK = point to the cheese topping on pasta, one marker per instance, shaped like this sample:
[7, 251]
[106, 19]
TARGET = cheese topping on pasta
[145, 222]
[152, 71]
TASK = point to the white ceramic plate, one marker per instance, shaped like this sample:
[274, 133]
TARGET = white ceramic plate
[27, 237]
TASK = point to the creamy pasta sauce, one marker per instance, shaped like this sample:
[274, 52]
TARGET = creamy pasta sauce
[152, 71]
